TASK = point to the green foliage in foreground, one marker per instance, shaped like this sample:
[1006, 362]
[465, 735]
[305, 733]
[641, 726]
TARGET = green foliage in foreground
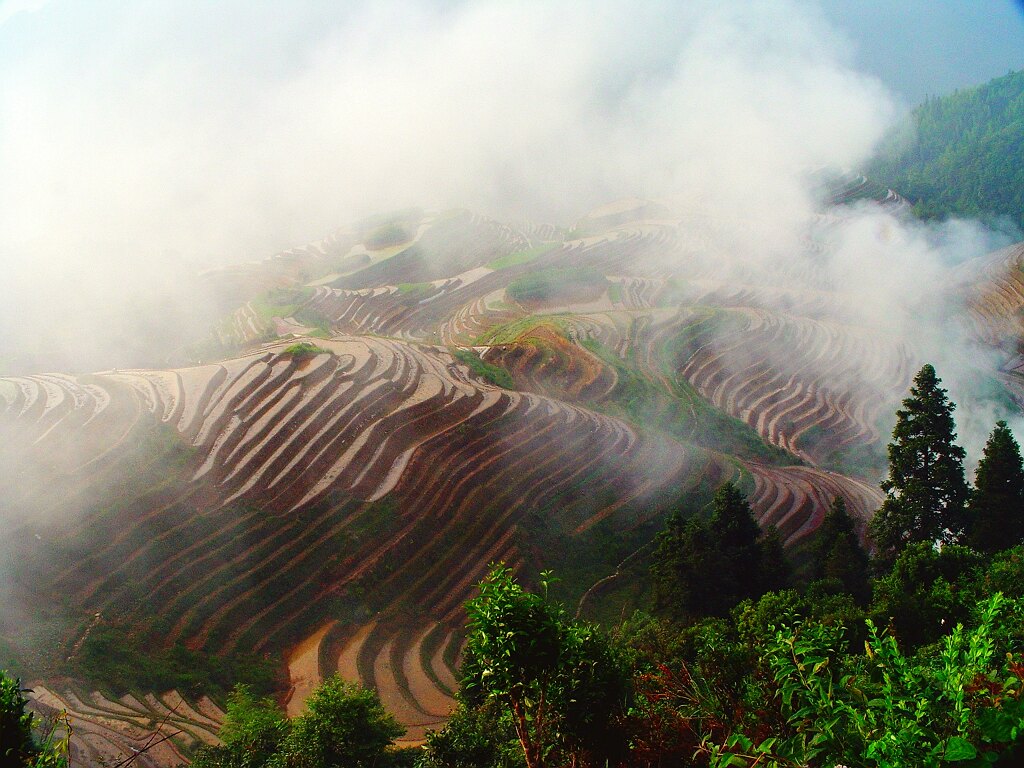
[961, 154]
[18, 744]
[344, 725]
[562, 687]
[788, 681]
[490, 372]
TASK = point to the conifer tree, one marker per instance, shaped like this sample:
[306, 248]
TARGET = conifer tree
[925, 492]
[776, 571]
[737, 533]
[704, 567]
[837, 555]
[996, 509]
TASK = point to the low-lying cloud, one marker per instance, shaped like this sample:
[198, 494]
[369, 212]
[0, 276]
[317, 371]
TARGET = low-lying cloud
[142, 141]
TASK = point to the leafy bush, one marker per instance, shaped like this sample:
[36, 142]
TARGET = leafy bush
[564, 686]
[344, 725]
[18, 747]
[961, 706]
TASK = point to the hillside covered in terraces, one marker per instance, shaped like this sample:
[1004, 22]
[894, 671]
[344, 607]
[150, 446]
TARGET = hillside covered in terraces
[315, 482]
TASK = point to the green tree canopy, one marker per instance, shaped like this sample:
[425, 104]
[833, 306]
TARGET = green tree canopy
[925, 492]
[565, 687]
[961, 154]
[345, 726]
[995, 513]
[928, 591]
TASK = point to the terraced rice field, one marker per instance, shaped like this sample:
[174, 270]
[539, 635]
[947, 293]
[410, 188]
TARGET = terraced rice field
[162, 730]
[333, 505]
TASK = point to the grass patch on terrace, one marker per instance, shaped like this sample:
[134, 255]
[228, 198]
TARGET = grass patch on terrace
[558, 284]
[489, 372]
[281, 302]
[414, 289]
[521, 257]
[510, 332]
[676, 292]
[120, 659]
[861, 459]
[615, 292]
[388, 235]
[304, 349]
[681, 413]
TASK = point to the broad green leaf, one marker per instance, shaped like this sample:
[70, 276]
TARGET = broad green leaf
[958, 748]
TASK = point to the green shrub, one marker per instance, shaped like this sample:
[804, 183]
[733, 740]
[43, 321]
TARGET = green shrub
[344, 726]
[18, 747]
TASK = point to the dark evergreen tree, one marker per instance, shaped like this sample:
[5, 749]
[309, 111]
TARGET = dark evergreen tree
[705, 567]
[837, 555]
[926, 491]
[776, 571]
[736, 534]
[995, 513]
[684, 560]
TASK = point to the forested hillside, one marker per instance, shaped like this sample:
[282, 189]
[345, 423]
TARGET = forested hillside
[961, 154]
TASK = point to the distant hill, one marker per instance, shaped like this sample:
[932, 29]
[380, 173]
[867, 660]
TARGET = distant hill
[961, 154]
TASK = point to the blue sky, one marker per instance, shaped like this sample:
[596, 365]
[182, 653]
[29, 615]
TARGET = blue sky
[931, 47]
[917, 47]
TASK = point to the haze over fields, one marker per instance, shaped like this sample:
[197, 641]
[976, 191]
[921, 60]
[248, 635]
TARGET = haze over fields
[140, 143]
[309, 314]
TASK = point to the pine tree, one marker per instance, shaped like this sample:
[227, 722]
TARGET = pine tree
[686, 561]
[837, 555]
[704, 567]
[737, 535]
[776, 570]
[926, 490]
[995, 513]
